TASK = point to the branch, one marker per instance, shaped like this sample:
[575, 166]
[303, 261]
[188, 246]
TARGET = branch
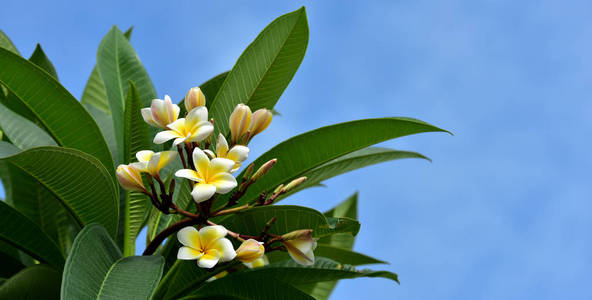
[167, 232]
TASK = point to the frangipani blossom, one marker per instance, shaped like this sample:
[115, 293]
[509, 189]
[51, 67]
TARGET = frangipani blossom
[261, 119]
[194, 98]
[161, 113]
[211, 176]
[152, 163]
[250, 250]
[208, 245]
[129, 177]
[257, 263]
[239, 122]
[193, 128]
[238, 153]
[300, 246]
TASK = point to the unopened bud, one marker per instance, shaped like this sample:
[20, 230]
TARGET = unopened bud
[294, 183]
[239, 122]
[249, 251]
[300, 246]
[249, 171]
[261, 119]
[194, 98]
[263, 170]
[129, 177]
[279, 189]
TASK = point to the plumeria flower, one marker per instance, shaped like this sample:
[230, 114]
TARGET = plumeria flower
[300, 246]
[250, 250]
[239, 122]
[259, 262]
[208, 245]
[193, 128]
[238, 153]
[161, 113]
[194, 98]
[152, 163]
[129, 177]
[211, 176]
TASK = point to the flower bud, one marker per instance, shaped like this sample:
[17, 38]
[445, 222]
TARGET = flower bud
[239, 122]
[161, 113]
[263, 170]
[300, 246]
[249, 251]
[294, 183]
[194, 98]
[279, 189]
[259, 262]
[129, 177]
[261, 119]
[152, 163]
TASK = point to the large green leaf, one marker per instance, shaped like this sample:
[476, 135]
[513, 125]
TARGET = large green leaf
[77, 179]
[136, 138]
[33, 283]
[64, 117]
[118, 63]
[132, 278]
[22, 233]
[353, 161]
[264, 69]
[94, 94]
[40, 59]
[210, 89]
[9, 260]
[6, 43]
[345, 256]
[95, 269]
[305, 152]
[22, 132]
[289, 218]
[182, 274]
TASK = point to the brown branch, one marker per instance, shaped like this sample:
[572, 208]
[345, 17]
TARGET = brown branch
[151, 248]
[180, 150]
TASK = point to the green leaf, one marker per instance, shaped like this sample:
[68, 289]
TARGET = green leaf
[136, 138]
[247, 287]
[63, 116]
[353, 161]
[9, 260]
[40, 59]
[118, 63]
[22, 233]
[93, 253]
[305, 152]
[22, 132]
[95, 269]
[94, 94]
[345, 256]
[6, 43]
[289, 218]
[131, 278]
[77, 179]
[210, 89]
[182, 274]
[264, 69]
[33, 283]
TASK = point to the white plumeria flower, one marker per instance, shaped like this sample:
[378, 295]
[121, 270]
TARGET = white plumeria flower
[208, 245]
[259, 262]
[300, 246]
[129, 177]
[152, 163]
[193, 128]
[211, 176]
[238, 153]
[161, 113]
[250, 250]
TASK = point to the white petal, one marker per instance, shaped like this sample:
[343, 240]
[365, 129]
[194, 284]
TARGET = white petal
[179, 141]
[210, 234]
[202, 131]
[147, 115]
[209, 260]
[210, 153]
[164, 136]
[144, 155]
[201, 162]
[218, 165]
[153, 164]
[189, 174]
[189, 236]
[224, 182]
[202, 192]
[196, 115]
[238, 153]
[225, 246]
[221, 146]
[188, 253]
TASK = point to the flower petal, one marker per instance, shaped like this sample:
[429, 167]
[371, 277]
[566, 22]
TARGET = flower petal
[209, 259]
[179, 141]
[224, 182]
[224, 246]
[201, 131]
[189, 236]
[221, 146]
[147, 115]
[189, 174]
[220, 165]
[188, 253]
[153, 164]
[144, 155]
[201, 162]
[210, 153]
[197, 115]
[202, 192]
[165, 158]
[178, 126]
[210, 234]
[164, 136]
[238, 153]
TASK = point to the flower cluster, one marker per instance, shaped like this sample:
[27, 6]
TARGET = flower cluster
[209, 168]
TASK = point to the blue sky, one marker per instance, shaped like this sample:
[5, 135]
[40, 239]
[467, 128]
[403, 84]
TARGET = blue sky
[503, 212]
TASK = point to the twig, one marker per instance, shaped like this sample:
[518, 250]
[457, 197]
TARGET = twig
[167, 232]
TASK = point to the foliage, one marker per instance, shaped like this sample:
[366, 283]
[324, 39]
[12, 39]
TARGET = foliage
[68, 227]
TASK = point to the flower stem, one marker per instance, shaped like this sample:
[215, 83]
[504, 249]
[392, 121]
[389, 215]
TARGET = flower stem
[167, 232]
